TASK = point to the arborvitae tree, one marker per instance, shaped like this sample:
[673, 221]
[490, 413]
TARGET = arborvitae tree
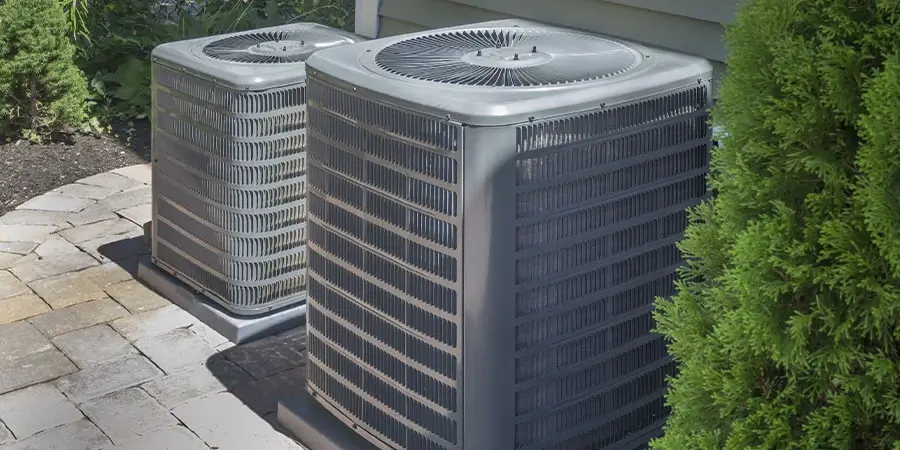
[42, 91]
[786, 322]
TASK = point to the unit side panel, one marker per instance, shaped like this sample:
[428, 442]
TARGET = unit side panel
[601, 201]
[384, 271]
[229, 188]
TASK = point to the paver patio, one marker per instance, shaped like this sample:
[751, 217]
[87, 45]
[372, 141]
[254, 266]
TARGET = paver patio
[92, 359]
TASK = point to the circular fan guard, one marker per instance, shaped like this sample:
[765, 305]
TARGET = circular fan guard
[507, 57]
[271, 47]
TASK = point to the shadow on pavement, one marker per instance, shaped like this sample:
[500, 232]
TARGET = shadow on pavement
[277, 365]
[258, 373]
[126, 249]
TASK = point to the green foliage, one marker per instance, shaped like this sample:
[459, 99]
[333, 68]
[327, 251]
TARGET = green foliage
[786, 323]
[117, 36]
[335, 13]
[77, 11]
[42, 91]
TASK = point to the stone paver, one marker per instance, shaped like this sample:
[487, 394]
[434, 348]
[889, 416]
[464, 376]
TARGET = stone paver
[67, 289]
[35, 269]
[137, 172]
[107, 378]
[269, 356]
[112, 272]
[128, 199]
[212, 337]
[128, 414]
[56, 202]
[21, 307]
[8, 259]
[223, 422]
[81, 435]
[33, 369]
[25, 233]
[167, 439]
[5, 435]
[18, 248]
[153, 323]
[98, 230]
[10, 286]
[175, 350]
[136, 297]
[111, 180]
[38, 408]
[116, 247]
[262, 396]
[94, 346]
[34, 217]
[78, 316]
[196, 381]
[91, 214]
[140, 214]
[21, 339]
[80, 336]
[55, 245]
[78, 190]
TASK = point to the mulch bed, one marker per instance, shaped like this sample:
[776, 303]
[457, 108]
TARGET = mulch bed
[28, 170]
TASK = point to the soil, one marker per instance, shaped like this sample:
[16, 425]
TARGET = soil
[28, 170]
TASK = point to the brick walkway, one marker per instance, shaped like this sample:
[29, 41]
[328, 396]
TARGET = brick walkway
[92, 359]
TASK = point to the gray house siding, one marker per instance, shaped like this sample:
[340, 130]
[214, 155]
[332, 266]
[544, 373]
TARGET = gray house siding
[690, 26]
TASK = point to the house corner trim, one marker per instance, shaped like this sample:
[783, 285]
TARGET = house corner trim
[366, 18]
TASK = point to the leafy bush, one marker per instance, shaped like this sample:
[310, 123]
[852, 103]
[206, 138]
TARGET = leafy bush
[117, 36]
[335, 13]
[787, 319]
[42, 91]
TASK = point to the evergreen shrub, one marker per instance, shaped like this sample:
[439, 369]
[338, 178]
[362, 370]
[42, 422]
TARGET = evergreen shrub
[42, 91]
[786, 323]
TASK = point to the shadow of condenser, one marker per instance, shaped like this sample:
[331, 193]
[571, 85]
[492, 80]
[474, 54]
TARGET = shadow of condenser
[260, 372]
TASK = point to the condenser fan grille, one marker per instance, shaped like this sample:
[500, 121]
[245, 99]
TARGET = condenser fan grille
[507, 57]
[271, 47]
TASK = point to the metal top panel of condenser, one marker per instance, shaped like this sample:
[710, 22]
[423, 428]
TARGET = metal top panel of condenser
[253, 60]
[506, 71]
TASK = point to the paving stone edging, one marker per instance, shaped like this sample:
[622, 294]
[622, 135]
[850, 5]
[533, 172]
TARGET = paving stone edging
[92, 359]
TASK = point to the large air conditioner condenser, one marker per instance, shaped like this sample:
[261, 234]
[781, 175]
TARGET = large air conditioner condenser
[493, 209]
[229, 163]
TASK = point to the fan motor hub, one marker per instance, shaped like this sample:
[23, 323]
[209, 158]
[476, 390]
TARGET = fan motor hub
[278, 48]
[507, 57]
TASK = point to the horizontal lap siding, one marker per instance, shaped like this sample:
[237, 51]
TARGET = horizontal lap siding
[689, 26]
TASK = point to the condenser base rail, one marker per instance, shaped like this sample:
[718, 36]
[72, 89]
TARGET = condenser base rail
[236, 329]
[315, 427]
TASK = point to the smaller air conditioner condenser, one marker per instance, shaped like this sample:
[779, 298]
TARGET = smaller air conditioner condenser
[492, 210]
[229, 163]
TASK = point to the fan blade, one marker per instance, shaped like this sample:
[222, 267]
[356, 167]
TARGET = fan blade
[443, 57]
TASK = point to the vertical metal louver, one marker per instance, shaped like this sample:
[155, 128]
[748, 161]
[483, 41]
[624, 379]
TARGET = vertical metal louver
[229, 163]
[483, 276]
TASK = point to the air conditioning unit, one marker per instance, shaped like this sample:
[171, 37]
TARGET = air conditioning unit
[229, 163]
[493, 209]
